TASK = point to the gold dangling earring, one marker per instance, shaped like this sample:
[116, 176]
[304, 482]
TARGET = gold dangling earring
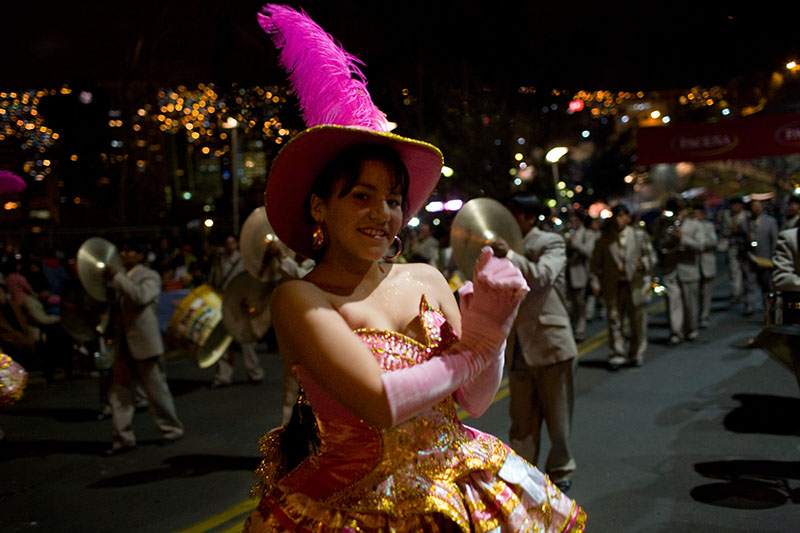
[318, 237]
[399, 244]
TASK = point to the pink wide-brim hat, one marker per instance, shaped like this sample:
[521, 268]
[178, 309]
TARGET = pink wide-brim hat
[300, 162]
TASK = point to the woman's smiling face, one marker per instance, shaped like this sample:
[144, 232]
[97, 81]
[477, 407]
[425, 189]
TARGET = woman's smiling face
[364, 221]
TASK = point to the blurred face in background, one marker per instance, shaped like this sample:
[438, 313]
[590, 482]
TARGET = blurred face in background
[756, 207]
[131, 258]
[621, 220]
[231, 245]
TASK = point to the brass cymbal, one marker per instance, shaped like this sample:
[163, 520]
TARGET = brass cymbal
[94, 255]
[254, 239]
[245, 308]
[477, 224]
[80, 313]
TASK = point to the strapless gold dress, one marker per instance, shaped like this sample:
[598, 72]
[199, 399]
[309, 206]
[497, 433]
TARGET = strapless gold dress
[429, 474]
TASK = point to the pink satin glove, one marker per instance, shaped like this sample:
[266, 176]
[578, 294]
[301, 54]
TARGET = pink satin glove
[487, 316]
[476, 394]
[488, 313]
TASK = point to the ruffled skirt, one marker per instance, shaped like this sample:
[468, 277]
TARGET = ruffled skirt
[515, 499]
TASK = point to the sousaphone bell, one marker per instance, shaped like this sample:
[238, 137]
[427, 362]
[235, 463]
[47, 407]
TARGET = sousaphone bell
[479, 222]
[254, 241]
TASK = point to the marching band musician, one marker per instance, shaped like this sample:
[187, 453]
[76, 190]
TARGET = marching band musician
[542, 350]
[792, 217]
[225, 267]
[786, 273]
[138, 346]
[707, 261]
[678, 240]
[623, 261]
[735, 230]
[580, 245]
[764, 234]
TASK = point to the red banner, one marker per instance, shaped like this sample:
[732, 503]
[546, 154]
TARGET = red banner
[737, 138]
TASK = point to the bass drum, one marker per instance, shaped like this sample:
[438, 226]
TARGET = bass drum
[196, 326]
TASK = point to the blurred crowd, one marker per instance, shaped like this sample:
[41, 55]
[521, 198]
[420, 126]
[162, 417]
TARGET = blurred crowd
[688, 246]
[606, 267]
[33, 281]
[688, 239]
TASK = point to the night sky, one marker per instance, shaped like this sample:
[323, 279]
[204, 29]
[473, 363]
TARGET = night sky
[570, 45]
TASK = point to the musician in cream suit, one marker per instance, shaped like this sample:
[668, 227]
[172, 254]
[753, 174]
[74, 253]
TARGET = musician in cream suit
[138, 346]
[623, 261]
[707, 261]
[786, 273]
[678, 239]
[227, 265]
[541, 349]
[735, 229]
[764, 230]
[580, 245]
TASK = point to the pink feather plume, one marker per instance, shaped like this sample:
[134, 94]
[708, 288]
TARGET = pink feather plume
[326, 78]
[10, 182]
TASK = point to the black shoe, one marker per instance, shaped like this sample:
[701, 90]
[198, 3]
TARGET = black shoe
[636, 363]
[119, 450]
[563, 486]
[256, 381]
[214, 385]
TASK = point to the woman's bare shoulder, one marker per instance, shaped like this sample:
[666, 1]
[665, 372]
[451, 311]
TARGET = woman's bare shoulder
[432, 281]
[422, 270]
[299, 292]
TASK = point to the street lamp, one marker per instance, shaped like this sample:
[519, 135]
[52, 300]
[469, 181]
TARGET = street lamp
[552, 157]
[233, 125]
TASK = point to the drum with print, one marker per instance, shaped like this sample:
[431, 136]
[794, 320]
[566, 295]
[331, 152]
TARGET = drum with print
[196, 326]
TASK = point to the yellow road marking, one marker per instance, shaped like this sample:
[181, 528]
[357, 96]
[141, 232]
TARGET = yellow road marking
[242, 508]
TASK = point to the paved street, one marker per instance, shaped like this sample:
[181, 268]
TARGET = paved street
[704, 437]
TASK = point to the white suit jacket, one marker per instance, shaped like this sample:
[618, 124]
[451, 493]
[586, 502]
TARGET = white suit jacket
[786, 274]
[580, 251]
[607, 259]
[708, 248]
[543, 328]
[136, 313]
[765, 232]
